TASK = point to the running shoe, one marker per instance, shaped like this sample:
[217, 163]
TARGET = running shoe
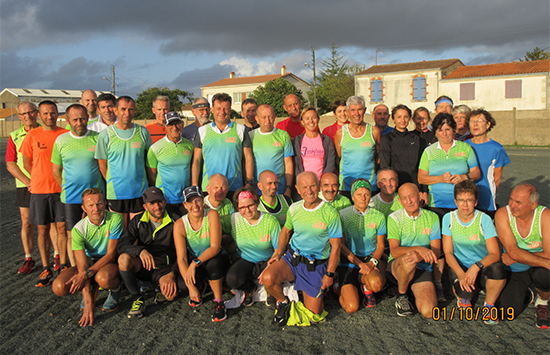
[281, 314]
[542, 316]
[369, 300]
[439, 292]
[44, 278]
[463, 302]
[159, 298]
[249, 296]
[490, 321]
[56, 262]
[27, 267]
[219, 312]
[111, 303]
[404, 307]
[138, 307]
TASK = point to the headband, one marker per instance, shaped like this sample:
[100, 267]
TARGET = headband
[203, 104]
[358, 184]
[443, 100]
[245, 194]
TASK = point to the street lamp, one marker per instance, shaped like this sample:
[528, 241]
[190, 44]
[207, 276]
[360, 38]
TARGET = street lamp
[314, 77]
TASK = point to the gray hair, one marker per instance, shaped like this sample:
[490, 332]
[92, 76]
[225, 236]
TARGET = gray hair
[464, 109]
[161, 98]
[33, 106]
[355, 100]
[199, 99]
[534, 195]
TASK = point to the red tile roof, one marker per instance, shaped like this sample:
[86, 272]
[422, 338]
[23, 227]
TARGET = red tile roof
[260, 79]
[474, 71]
[391, 68]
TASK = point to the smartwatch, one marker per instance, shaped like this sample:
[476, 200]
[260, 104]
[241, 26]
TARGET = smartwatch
[480, 265]
[197, 261]
[89, 274]
[374, 261]
[330, 274]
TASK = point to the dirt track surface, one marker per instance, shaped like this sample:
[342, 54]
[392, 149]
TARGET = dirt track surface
[35, 321]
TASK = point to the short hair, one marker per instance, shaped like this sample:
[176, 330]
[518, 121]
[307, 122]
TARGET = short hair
[443, 118]
[125, 99]
[355, 100]
[200, 99]
[482, 112]
[248, 101]
[28, 103]
[161, 98]
[421, 109]
[73, 106]
[106, 97]
[443, 97]
[534, 195]
[337, 104]
[222, 97]
[466, 186]
[400, 107]
[220, 176]
[463, 109]
[307, 109]
[387, 169]
[92, 191]
[48, 102]
[255, 196]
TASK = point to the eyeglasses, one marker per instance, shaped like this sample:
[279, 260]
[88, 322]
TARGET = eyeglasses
[467, 200]
[27, 113]
[249, 207]
[478, 121]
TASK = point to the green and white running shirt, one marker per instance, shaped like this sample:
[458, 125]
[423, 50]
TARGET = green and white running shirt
[377, 203]
[532, 243]
[339, 202]
[313, 229]
[80, 168]
[197, 240]
[357, 158]
[361, 231]
[468, 238]
[255, 242]
[95, 239]
[413, 232]
[125, 152]
[281, 214]
[173, 164]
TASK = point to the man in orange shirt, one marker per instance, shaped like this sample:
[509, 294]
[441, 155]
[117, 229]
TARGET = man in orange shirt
[45, 204]
[292, 124]
[157, 129]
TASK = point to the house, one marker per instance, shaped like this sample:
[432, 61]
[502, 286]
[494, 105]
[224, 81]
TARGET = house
[241, 88]
[501, 86]
[10, 98]
[413, 84]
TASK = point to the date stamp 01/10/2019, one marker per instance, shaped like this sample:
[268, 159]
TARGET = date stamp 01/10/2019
[472, 313]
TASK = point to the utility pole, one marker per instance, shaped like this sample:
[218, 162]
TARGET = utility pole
[112, 81]
[314, 77]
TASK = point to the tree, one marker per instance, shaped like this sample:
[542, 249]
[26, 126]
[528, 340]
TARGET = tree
[144, 102]
[274, 93]
[535, 54]
[336, 81]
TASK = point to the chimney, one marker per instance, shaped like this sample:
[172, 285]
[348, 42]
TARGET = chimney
[283, 70]
[232, 75]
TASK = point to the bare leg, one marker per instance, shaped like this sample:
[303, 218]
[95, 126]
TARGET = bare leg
[316, 305]
[274, 276]
[53, 238]
[108, 277]
[349, 298]
[27, 231]
[70, 248]
[426, 299]
[62, 242]
[493, 289]
[403, 273]
[60, 286]
[44, 244]
[216, 286]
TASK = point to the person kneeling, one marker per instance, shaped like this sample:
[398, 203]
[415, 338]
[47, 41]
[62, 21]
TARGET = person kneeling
[94, 241]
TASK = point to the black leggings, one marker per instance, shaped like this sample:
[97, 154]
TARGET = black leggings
[242, 273]
[515, 293]
[494, 271]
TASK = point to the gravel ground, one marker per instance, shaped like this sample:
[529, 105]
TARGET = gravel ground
[33, 320]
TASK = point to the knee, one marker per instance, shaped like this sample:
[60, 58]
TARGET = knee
[124, 262]
[233, 280]
[426, 311]
[376, 284]
[349, 306]
[107, 278]
[268, 279]
[58, 287]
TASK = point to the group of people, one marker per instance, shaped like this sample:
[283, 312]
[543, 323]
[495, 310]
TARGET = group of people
[256, 205]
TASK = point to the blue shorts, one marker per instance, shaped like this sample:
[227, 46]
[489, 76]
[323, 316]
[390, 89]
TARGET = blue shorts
[310, 282]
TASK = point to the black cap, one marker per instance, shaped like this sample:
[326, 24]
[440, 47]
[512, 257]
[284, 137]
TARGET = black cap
[172, 117]
[153, 194]
[191, 191]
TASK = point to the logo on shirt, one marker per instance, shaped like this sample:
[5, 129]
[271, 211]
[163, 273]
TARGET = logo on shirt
[474, 237]
[365, 144]
[460, 154]
[320, 225]
[277, 144]
[534, 245]
[204, 234]
[230, 140]
[91, 148]
[265, 238]
[371, 225]
[187, 152]
[42, 146]
[426, 231]
[136, 145]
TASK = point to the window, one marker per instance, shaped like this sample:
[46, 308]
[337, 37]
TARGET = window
[467, 91]
[419, 88]
[513, 89]
[376, 90]
[237, 97]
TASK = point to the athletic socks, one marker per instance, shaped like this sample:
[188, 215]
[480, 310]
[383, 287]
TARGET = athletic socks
[131, 282]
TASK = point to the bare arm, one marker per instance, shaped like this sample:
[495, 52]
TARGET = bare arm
[57, 173]
[289, 174]
[249, 163]
[428, 255]
[151, 175]
[337, 142]
[497, 175]
[27, 163]
[103, 167]
[376, 135]
[196, 167]
[17, 173]
[284, 237]
[424, 178]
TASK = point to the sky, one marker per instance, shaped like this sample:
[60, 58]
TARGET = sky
[71, 45]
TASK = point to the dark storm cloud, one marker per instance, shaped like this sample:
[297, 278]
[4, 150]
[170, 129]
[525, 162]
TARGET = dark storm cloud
[193, 80]
[256, 29]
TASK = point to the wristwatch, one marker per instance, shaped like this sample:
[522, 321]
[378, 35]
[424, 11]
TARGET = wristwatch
[480, 265]
[89, 274]
[330, 274]
[374, 261]
[197, 261]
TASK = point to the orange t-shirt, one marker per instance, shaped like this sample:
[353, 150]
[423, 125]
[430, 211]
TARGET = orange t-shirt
[38, 146]
[156, 131]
